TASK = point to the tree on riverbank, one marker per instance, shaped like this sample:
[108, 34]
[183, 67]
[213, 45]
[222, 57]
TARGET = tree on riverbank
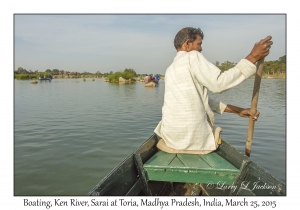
[225, 65]
[275, 67]
[126, 74]
[270, 67]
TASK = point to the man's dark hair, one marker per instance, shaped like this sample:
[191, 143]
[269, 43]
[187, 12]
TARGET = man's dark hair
[185, 34]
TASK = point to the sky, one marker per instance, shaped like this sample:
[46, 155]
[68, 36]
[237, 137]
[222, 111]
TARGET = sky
[143, 42]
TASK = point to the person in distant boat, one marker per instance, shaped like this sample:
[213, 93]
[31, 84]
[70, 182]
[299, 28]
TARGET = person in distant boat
[157, 78]
[152, 77]
[147, 79]
[187, 113]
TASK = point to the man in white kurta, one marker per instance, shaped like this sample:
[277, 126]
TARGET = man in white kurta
[184, 124]
[187, 111]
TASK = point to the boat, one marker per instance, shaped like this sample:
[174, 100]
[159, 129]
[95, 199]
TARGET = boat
[150, 84]
[48, 78]
[234, 174]
[33, 82]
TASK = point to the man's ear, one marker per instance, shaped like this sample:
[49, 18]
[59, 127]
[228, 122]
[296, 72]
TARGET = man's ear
[186, 45]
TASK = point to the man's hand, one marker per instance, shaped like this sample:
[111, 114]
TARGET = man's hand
[248, 113]
[260, 50]
[242, 112]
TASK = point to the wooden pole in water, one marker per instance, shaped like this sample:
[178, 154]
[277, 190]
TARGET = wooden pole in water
[259, 66]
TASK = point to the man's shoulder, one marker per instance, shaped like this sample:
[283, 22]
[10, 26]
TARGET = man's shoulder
[195, 53]
[195, 57]
[192, 53]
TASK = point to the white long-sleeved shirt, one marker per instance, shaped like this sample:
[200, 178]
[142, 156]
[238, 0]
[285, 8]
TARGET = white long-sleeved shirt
[184, 124]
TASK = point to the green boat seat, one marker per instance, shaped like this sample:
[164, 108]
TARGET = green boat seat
[191, 168]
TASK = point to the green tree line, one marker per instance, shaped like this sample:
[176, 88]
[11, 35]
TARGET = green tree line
[128, 73]
[21, 70]
[275, 67]
[270, 67]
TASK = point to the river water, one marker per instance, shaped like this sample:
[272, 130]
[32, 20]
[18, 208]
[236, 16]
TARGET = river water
[69, 134]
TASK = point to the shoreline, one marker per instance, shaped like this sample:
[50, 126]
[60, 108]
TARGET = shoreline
[271, 76]
[264, 76]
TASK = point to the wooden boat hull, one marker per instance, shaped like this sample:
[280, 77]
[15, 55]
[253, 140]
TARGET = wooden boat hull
[151, 84]
[125, 179]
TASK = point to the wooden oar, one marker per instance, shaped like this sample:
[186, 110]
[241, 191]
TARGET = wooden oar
[259, 66]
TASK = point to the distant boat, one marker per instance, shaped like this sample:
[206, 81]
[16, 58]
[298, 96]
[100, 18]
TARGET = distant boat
[48, 78]
[151, 84]
[33, 82]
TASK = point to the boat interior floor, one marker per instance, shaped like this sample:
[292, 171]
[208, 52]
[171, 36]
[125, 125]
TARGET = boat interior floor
[185, 189]
[174, 189]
